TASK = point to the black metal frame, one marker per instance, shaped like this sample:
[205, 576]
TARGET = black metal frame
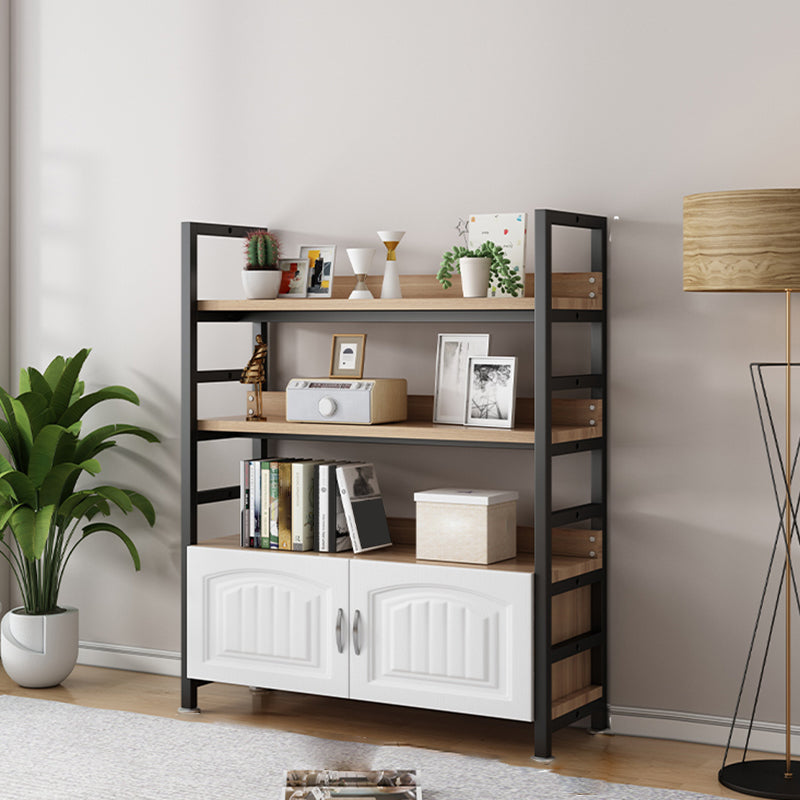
[545, 516]
[545, 384]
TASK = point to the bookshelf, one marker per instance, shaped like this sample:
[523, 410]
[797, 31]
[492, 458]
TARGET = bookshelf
[555, 672]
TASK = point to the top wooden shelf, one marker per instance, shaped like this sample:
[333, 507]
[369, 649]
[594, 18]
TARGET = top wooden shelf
[577, 291]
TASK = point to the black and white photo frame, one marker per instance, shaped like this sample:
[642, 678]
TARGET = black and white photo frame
[453, 352]
[491, 391]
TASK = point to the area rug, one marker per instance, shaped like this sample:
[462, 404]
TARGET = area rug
[59, 751]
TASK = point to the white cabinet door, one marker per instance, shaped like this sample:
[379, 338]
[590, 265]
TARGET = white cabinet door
[268, 619]
[446, 638]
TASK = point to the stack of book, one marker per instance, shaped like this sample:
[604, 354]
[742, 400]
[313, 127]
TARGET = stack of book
[387, 784]
[306, 504]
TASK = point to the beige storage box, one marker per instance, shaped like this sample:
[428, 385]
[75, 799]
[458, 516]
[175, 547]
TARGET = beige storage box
[473, 526]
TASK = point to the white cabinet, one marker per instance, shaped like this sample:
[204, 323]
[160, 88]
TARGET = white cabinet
[444, 638]
[261, 620]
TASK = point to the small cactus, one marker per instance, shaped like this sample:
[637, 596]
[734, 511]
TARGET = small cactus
[261, 248]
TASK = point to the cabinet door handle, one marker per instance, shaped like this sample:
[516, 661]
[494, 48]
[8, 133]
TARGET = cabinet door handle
[340, 631]
[357, 633]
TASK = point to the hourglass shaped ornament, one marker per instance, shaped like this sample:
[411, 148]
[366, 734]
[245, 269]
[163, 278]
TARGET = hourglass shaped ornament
[361, 258]
[391, 278]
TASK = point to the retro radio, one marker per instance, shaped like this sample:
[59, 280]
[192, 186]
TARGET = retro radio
[365, 402]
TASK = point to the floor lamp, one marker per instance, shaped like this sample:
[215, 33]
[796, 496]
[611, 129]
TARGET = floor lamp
[749, 241]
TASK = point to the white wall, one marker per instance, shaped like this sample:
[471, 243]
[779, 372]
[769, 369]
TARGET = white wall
[328, 121]
[5, 247]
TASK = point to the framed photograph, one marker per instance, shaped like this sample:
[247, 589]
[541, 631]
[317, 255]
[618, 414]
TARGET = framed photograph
[320, 260]
[492, 391]
[294, 277]
[347, 355]
[453, 353]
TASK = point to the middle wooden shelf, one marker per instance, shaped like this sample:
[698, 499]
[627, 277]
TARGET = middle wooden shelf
[573, 420]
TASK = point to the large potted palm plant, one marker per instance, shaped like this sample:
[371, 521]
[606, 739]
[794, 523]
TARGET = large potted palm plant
[46, 511]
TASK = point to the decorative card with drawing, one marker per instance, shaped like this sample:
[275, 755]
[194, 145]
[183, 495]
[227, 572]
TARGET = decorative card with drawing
[506, 230]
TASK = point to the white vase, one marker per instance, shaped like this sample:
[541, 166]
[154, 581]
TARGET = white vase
[390, 288]
[39, 650]
[261, 284]
[474, 276]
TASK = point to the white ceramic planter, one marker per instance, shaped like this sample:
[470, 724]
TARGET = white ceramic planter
[39, 650]
[474, 276]
[261, 284]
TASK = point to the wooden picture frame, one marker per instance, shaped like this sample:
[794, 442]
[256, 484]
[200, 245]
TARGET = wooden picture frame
[491, 391]
[453, 352]
[347, 355]
[320, 259]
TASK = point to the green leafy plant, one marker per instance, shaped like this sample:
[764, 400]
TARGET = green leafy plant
[41, 506]
[262, 250]
[500, 273]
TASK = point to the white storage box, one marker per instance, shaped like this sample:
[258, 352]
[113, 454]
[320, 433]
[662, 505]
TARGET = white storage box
[474, 526]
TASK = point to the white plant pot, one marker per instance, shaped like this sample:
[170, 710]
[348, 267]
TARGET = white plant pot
[261, 284]
[39, 650]
[474, 276]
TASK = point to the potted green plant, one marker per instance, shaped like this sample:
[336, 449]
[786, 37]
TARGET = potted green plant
[45, 514]
[261, 277]
[480, 267]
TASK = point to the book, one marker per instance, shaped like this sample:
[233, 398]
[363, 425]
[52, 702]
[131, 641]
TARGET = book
[255, 503]
[303, 501]
[505, 230]
[273, 504]
[285, 505]
[363, 507]
[331, 533]
[244, 503]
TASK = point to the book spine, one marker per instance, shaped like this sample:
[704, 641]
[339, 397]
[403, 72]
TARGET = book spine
[285, 506]
[302, 506]
[244, 503]
[255, 504]
[266, 504]
[347, 505]
[323, 510]
[273, 505]
[339, 530]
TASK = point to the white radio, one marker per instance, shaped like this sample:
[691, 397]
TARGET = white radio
[364, 402]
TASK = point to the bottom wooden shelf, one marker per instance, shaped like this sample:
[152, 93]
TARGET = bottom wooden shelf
[574, 700]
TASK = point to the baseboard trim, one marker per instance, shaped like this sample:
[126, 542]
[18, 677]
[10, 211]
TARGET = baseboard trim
[705, 729]
[625, 720]
[138, 659]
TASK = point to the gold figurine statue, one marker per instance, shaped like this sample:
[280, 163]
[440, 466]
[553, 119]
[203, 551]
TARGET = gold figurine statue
[255, 372]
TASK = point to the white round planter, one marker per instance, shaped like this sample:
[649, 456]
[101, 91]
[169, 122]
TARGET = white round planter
[261, 284]
[474, 276]
[39, 650]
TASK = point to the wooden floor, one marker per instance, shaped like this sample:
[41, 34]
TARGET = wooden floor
[620, 759]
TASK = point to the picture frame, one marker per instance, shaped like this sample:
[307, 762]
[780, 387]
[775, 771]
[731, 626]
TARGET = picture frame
[347, 355]
[491, 391]
[294, 277]
[320, 260]
[453, 352]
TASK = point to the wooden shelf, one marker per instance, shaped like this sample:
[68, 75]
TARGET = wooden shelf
[399, 431]
[564, 567]
[575, 291]
[573, 420]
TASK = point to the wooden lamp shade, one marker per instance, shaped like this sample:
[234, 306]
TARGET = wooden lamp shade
[742, 241]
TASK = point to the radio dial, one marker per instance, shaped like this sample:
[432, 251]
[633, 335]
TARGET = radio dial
[327, 406]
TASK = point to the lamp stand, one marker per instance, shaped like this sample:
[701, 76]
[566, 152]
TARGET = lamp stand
[778, 778]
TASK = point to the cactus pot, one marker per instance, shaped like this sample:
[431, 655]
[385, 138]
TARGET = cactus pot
[261, 284]
[39, 650]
